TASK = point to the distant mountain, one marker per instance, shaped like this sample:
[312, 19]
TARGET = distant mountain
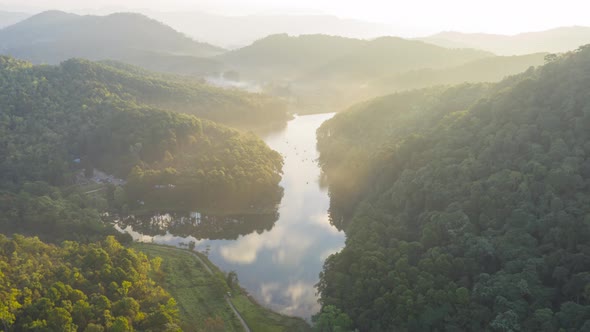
[491, 69]
[54, 36]
[321, 73]
[325, 56]
[238, 31]
[557, 40]
[10, 18]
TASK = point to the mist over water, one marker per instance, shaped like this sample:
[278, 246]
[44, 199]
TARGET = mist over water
[222, 82]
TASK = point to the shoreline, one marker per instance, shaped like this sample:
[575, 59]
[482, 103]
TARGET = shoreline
[255, 316]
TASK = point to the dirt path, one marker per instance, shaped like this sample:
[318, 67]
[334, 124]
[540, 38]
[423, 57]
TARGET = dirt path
[244, 325]
[231, 305]
[94, 191]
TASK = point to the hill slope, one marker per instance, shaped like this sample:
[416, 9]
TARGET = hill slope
[180, 94]
[553, 41]
[81, 287]
[53, 36]
[201, 296]
[58, 120]
[245, 30]
[330, 55]
[473, 210]
[10, 18]
[490, 69]
[321, 73]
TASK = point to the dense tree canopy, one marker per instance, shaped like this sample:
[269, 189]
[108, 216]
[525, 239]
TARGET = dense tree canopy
[179, 94]
[56, 120]
[74, 287]
[467, 208]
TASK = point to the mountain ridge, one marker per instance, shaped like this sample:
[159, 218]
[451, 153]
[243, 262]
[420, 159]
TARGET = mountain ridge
[556, 40]
[54, 36]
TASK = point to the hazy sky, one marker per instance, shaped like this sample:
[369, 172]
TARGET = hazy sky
[497, 16]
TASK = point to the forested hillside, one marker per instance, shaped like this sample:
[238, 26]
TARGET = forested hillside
[320, 73]
[558, 40]
[76, 287]
[179, 94]
[60, 121]
[328, 56]
[490, 69]
[474, 209]
[53, 36]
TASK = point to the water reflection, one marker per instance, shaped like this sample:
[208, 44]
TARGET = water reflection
[198, 225]
[279, 265]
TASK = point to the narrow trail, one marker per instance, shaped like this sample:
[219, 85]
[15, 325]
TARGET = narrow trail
[244, 325]
[231, 305]
[202, 262]
[94, 191]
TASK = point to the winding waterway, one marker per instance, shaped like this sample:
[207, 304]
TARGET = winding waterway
[278, 263]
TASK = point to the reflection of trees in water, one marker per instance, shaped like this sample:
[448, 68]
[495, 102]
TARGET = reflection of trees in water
[200, 226]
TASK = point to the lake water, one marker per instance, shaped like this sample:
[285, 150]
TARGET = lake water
[278, 263]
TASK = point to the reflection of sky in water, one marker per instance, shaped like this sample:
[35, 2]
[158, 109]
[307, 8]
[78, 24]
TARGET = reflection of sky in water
[281, 267]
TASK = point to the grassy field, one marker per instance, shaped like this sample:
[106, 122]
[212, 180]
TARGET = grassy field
[260, 319]
[200, 296]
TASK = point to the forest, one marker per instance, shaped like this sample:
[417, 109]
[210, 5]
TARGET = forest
[180, 94]
[60, 121]
[102, 286]
[321, 73]
[465, 208]
[447, 190]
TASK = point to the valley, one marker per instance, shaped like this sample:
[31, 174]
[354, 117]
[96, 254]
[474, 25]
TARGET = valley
[309, 181]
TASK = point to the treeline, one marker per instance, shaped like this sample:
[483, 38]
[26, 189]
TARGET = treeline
[465, 209]
[204, 226]
[76, 287]
[59, 120]
[56, 214]
[179, 94]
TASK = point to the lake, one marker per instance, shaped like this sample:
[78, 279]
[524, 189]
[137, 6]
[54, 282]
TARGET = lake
[277, 258]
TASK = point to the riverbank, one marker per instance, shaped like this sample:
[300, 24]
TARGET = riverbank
[202, 296]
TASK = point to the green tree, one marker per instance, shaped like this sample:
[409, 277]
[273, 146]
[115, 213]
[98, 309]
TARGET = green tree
[332, 319]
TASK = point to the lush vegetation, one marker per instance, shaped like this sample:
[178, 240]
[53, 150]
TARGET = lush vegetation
[319, 73]
[57, 121]
[75, 287]
[262, 319]
[57, 126]
[178, 94]
[55, 214]
[490, 69]
[201, 296]
[53, 36]
[470, 207]
[328, 56]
